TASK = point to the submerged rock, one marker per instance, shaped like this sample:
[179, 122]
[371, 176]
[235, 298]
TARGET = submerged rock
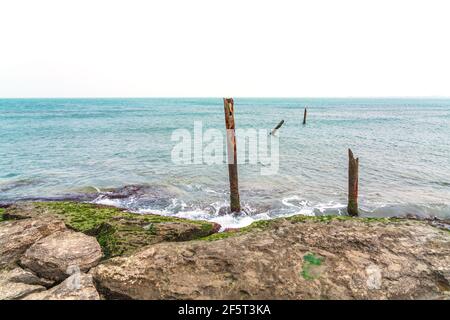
[134, 191]
[293, 258]
[17, 236]
[77, 287]
[55, 256]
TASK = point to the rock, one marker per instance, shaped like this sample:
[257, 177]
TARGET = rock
[2, 212]
[293, 258]
[17, 283]
[146, 192]
[181, 231]
[78, 286]
[53, 256]
[20, 275]
[22, 210]
[17, 236]
[118, 232]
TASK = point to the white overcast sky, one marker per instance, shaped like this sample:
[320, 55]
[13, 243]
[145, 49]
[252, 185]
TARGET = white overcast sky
[203, 48]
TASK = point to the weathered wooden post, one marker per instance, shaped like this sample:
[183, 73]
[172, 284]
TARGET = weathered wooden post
[228, 105]
[304, 116]
[274, 130]
[353, 163]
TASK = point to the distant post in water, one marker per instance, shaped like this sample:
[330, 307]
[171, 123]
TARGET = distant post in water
[353, 163]
[228, 105]
[304, 116]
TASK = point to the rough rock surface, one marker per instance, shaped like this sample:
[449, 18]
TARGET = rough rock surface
[291, 258]
[61, 253]
[17, 236]
[180, 231]
[77, 287]
[20, 275]
[17, 283]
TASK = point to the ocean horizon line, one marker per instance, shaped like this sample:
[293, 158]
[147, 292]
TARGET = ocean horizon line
[235, 97]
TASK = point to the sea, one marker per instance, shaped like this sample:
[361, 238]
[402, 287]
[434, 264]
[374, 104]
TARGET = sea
[120, 152]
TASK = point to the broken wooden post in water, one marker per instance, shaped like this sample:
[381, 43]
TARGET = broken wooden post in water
[228, 105]
[274, 130]
[353, 163]
[304, 116]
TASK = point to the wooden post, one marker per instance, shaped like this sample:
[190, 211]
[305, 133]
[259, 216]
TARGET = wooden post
[353, 163]
[304, 116]
[228, 105]
[274, 130]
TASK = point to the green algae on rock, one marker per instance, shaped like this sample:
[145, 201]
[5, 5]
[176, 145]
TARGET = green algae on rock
[2, 211]
[265, 224]
[290, 258]
[118, 232]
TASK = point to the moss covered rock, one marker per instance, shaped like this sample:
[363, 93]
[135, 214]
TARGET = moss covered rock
[118, 232]
[2, 211]
[294, 258]
[267, 224]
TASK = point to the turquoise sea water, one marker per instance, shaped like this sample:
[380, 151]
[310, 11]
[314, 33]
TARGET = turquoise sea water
[60, 147]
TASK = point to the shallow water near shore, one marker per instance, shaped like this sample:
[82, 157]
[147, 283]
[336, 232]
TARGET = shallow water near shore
[90, 149]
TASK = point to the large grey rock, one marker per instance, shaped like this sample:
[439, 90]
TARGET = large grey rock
[78, 286]
[17, 236]
[17, 283]
[290, 259]
[61, 253]
[20, 275]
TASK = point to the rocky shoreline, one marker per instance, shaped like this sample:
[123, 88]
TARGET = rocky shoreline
[70, 250]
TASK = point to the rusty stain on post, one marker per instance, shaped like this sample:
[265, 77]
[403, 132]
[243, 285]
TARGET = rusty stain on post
[353, 164]
[228, 104]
